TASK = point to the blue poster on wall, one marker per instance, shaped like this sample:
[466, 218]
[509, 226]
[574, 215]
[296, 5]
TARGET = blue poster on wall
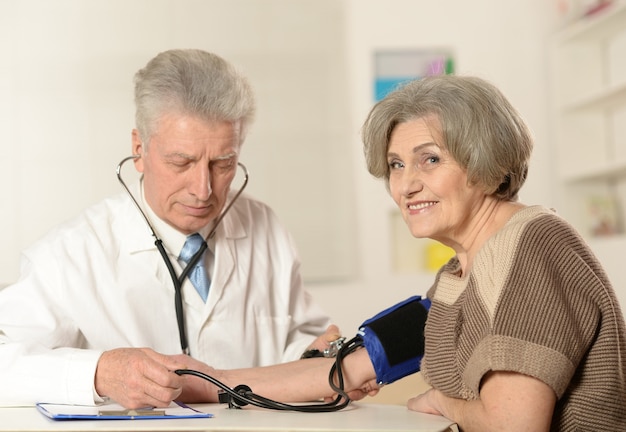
[394, 67]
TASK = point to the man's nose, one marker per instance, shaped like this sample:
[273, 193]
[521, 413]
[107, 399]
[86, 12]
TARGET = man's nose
[200, 182]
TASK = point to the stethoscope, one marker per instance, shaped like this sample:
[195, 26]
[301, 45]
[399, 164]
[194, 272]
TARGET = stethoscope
[177, 281]
[241, 395]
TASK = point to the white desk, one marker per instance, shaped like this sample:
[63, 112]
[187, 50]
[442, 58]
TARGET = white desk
[355, 418]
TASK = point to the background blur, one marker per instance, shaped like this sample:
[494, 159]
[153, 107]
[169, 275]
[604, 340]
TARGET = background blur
[66, 114]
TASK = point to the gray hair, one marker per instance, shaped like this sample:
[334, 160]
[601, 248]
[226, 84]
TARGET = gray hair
[481, 130]
[192, 82]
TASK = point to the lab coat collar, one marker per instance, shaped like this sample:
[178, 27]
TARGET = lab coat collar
[140, 240]
[137, 234]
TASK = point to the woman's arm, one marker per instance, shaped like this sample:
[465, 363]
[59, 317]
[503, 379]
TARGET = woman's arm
[296, 381]
[508, 401]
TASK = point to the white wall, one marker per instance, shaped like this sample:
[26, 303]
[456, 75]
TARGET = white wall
[501, 40]
[66, 111]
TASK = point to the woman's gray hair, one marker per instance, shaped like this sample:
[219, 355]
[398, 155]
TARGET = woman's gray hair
[191, 82]
[481, 130]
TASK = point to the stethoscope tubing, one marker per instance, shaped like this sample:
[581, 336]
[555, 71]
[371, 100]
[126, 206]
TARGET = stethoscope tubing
[241, 397]
[177, 280]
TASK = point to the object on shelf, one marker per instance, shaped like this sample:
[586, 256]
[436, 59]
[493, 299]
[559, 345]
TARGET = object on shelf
[604, 216]
[596, 7]
[437, 255]
[395, 67]
[574, 10]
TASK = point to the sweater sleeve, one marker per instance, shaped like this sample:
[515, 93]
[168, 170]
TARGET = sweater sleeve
[545, 310]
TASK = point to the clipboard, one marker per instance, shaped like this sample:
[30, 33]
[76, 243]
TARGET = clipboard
[176, 410]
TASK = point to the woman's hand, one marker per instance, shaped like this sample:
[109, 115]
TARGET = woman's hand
[426, 402]
[369, 388]
[508, 401]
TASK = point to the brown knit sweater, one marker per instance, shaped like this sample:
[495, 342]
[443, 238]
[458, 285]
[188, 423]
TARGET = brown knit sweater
[537, 302]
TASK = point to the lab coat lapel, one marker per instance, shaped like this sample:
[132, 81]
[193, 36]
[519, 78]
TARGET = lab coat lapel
[231, 229]
[222, 269]
[139, 244]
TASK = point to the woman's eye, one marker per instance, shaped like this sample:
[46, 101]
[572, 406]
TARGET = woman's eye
[430, 160]
[395, 165]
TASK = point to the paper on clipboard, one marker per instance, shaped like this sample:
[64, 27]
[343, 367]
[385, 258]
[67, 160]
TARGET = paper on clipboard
[117, 412]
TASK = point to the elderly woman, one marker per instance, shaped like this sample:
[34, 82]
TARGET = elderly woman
[524, 331]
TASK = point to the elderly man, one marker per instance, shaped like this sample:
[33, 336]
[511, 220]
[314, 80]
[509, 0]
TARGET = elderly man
[93, 314]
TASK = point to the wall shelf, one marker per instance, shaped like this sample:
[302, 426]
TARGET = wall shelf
[589, 117]
[605, 23]
[610, 172]
[609, 97]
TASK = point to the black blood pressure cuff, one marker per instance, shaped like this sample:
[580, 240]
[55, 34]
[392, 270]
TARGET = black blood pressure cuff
[394, 339]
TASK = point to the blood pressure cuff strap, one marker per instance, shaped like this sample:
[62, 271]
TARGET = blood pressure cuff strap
[394, 339]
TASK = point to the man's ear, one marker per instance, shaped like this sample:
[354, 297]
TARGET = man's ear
[137, 150]
[137, 144]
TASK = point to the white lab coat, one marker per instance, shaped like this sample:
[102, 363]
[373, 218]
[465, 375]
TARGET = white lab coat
[98, 283]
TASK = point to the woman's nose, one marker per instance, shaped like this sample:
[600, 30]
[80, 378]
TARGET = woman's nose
[411, 181]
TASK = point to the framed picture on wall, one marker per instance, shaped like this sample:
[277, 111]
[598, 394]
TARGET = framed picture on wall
[394, 67]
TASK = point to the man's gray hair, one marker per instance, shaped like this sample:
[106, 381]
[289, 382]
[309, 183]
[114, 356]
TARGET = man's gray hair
[191, 82]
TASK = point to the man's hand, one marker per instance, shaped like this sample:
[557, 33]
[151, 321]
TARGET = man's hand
[195, 389]
[138, 377]
[323, 342]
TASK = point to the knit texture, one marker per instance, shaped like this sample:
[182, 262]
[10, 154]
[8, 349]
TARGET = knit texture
[537, 302]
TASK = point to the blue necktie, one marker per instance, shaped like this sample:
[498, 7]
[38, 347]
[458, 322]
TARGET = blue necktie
[198, 275]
